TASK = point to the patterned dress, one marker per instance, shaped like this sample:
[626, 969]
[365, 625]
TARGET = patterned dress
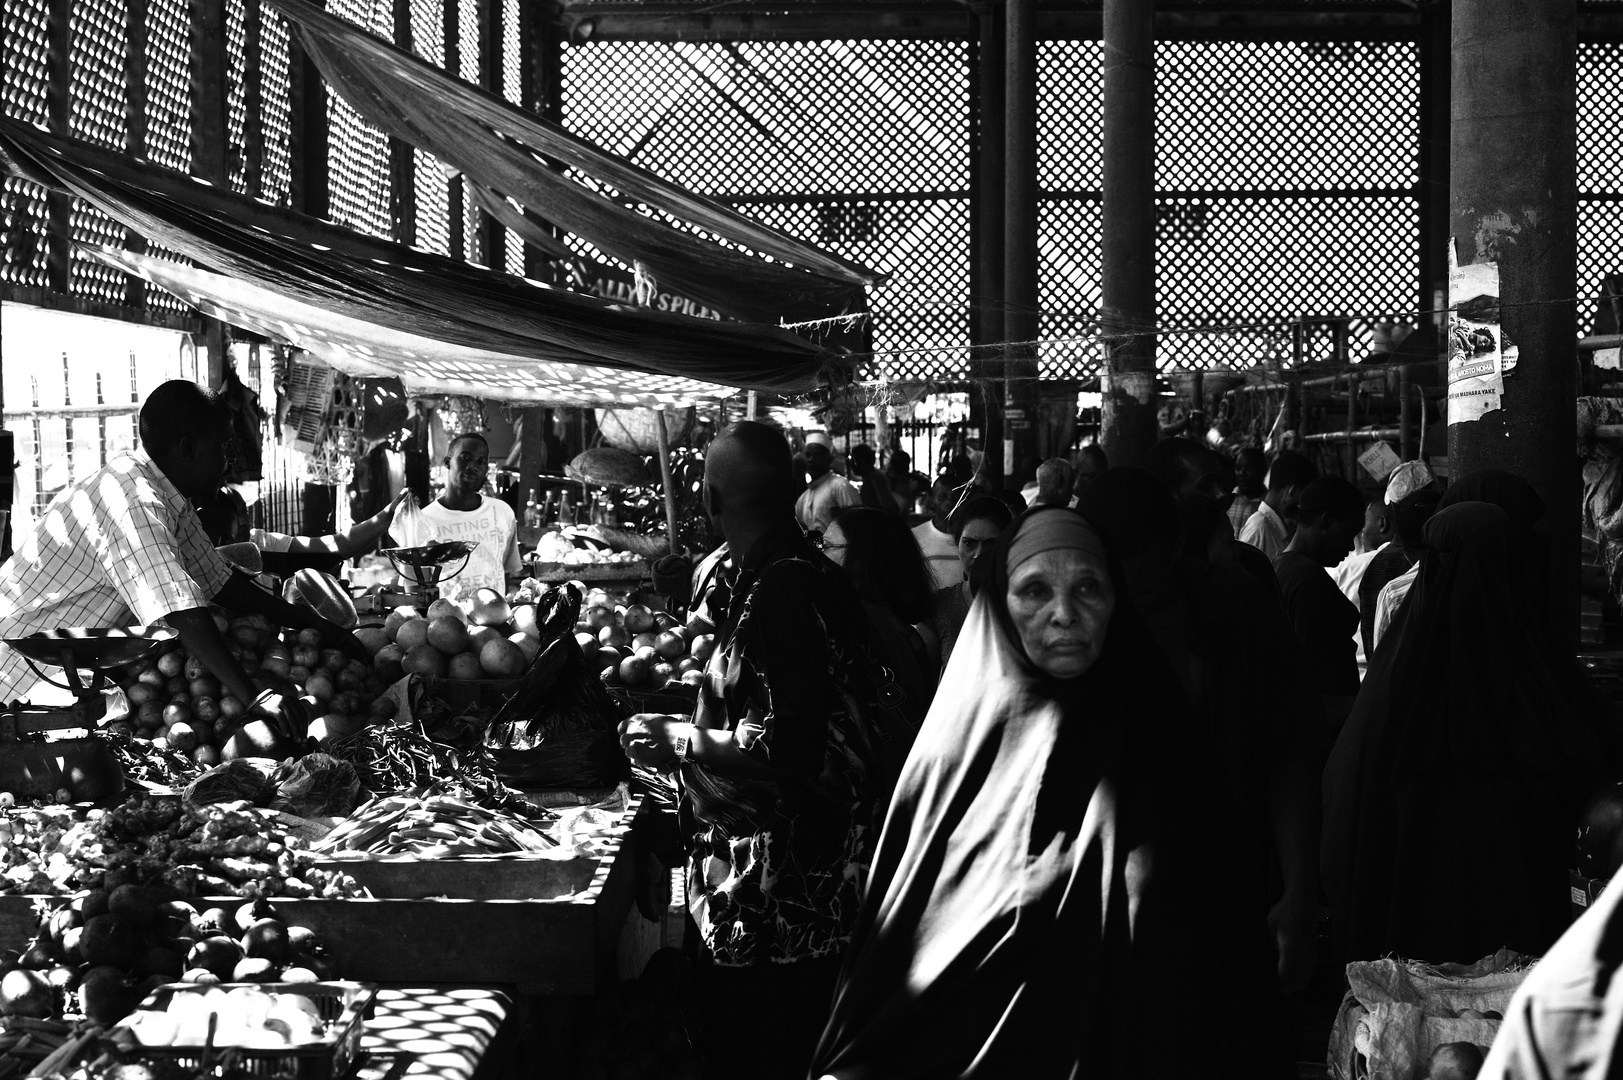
[775, 867]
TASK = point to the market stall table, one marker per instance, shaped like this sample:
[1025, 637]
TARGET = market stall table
[436, 1033]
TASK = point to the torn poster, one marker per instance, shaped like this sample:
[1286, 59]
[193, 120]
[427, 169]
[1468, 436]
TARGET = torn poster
[1475, 341]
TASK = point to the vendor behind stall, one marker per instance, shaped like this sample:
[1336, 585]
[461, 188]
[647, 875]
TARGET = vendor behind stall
[125, 546]
[464, 512]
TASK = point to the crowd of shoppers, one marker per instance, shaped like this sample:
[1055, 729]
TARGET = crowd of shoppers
[963, 792]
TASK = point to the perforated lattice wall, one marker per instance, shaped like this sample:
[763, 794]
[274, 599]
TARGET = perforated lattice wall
[1600, 173]
[357, 152]
[275, 122]
[96, 72]
[23, 94]
[236, 88]
[859, 146]
[168, 84]
[1287, 172]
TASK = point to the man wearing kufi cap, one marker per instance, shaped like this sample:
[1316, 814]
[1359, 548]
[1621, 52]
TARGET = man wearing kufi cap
[1411, 497]
[828, 492]
[1380, 528]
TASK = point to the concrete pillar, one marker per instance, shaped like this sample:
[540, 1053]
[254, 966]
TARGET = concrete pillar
[1020, 320]
[1127, 248]
[1513, 200]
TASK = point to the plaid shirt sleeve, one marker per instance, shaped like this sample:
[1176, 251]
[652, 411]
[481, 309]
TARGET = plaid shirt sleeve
[154, 553]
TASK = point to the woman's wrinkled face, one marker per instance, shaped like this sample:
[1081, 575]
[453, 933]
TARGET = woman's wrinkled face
[1061, 602]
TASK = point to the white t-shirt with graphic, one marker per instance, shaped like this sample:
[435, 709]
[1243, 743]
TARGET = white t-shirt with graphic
[492, 526]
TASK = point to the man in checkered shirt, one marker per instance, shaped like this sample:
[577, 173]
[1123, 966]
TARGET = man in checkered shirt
[124, 546]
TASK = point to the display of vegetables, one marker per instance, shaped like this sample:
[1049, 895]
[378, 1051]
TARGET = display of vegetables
[433, 827]
[225, 849]
[487, 638]
[97, 954]
[176, 703]
[642, 649]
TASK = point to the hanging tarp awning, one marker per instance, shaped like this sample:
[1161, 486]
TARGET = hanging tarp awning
[372, 307]
[511, 154]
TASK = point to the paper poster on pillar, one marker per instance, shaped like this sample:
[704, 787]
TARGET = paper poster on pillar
[1476, 371]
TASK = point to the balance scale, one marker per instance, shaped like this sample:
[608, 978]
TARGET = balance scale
[424, 570]
[84, 768]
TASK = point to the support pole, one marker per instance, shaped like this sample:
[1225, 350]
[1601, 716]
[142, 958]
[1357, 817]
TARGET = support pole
[1515, 85]
[986, 224]
[665, 478]
[1021, 323]
[1127, 248]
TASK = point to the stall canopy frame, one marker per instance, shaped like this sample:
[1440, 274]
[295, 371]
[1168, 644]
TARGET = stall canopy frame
[481, 332]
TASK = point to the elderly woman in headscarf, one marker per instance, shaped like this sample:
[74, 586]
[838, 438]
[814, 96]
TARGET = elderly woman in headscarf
[1453, 792]
[1052, 855]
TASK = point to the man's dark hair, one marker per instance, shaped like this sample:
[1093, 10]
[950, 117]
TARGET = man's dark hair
[177, 408]
[861, 458]
[900, 461]
[988, 507]
[1290, 469]
[464, 437]
[884, 563]
[1410, 514]
[1330, 498]
[1252, 453]
[1095, 453]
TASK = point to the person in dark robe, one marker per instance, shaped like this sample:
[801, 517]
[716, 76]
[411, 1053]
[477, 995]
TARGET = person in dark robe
[1053, 855]
[1452, 794]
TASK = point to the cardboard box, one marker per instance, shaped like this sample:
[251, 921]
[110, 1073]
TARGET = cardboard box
[1584, 892]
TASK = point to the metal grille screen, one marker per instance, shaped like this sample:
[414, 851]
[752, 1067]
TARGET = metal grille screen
[1600, 172]
[860, 146]
[1287, 173]
[1287, 169]
[24, 93]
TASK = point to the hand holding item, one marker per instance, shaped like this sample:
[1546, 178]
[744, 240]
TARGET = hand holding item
[655, 740]
[279, 703]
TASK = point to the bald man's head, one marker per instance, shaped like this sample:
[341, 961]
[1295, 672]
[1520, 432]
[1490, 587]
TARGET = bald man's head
[748, 474]
[1054, 482]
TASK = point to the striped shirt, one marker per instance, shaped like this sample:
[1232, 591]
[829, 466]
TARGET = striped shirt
[120, 547]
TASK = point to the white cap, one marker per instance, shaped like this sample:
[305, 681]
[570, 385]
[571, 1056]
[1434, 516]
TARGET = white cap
[1407, 479]
[819, 437]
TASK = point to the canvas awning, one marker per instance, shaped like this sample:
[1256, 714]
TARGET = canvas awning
[372, 307]
[507, 153]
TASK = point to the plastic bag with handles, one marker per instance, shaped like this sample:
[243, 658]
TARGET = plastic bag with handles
[409, 526]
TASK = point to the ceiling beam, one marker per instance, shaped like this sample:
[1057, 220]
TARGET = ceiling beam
[823, 20]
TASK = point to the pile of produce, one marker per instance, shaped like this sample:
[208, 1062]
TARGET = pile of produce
[433, 827]
[490, 639]
[178, 705]
[251, 1017]
[98, 954]
[30, 1046]
[642, 649]
[403, 758]
[560, 727]
[225, 849]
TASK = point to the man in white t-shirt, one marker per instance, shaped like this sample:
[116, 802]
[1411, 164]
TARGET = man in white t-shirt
[464, 512]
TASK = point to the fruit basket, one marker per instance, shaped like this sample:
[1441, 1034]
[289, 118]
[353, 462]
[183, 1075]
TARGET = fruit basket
[342, 1007]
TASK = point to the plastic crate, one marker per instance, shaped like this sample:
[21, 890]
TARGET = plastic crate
[343, 1007]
